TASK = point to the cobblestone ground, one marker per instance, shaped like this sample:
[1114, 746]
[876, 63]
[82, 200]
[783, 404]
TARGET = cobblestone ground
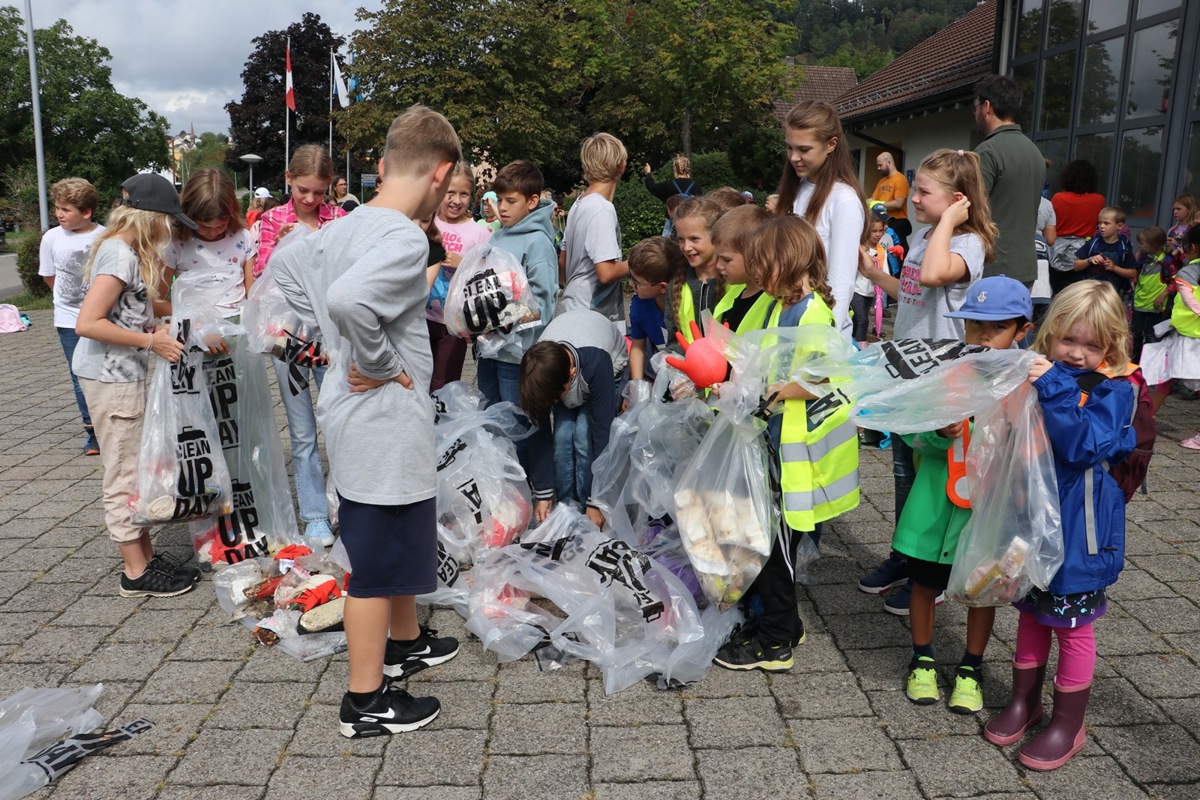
[236, 721]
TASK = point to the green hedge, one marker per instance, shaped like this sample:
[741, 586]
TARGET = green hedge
[27, 267]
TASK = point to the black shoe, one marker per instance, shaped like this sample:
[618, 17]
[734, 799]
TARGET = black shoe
[802, 634]
[891, 573]
[164, 562]
[400, 661]
[749, 653]
[391, 710]
[155, 582]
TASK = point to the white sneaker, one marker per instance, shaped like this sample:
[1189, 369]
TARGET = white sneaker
[319, 532]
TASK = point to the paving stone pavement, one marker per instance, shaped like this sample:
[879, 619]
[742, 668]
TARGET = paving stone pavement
[235, 721]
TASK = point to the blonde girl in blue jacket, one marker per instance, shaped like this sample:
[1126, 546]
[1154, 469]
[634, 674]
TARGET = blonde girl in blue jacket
[1085, 331]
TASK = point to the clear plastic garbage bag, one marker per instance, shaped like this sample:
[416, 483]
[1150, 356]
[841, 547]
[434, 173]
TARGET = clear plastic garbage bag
[196, 295]
[489, 292]
[271, 324]
[607, 603]
[457, 398]
[727, 520]
[182, 473]
[1013, 540]
[263, 519]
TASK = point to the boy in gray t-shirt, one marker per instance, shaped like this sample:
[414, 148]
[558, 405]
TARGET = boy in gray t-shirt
[362, 281]
[592, 242]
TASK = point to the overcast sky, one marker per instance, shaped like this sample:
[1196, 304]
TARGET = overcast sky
[184, 59]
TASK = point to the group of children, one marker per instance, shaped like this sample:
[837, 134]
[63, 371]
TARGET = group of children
[370, 284]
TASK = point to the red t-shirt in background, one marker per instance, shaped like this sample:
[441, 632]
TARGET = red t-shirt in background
[1077, 213]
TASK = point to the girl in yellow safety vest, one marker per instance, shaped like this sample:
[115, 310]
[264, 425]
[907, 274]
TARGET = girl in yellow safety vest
[702, 286]
[814, 444]
[744, 304]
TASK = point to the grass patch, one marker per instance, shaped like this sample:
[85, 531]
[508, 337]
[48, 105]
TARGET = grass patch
[27, 302]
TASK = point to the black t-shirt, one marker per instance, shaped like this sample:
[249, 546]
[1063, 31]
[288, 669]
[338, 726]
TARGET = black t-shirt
[737, 312]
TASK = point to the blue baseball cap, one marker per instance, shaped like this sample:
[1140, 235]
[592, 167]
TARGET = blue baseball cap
[996, 298]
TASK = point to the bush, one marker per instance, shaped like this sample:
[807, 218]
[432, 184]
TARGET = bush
[757, 157]
[640, 214]
[27, 267]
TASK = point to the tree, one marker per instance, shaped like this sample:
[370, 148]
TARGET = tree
[210, 152]
[89, 129]
[498, 70]
[257, 122]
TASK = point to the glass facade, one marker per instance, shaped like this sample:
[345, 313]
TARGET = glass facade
[1110, 81]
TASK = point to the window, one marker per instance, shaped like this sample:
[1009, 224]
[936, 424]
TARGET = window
[1191, 179]
[1141, 161]
[1148, 8]
[1056, 151]
[1064, 22]
[1097, 148]
[1150, 70]
[1029, 27]
[1057, 85]
[1101, 71]
[1026, 75]
[1106, 14]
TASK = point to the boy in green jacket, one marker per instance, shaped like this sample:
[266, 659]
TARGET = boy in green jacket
[998, 311]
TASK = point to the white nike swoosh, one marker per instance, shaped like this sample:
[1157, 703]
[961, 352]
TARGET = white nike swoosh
[424, 652]
[391, 714]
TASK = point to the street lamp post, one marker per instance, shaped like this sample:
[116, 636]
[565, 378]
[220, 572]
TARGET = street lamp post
[251, 159]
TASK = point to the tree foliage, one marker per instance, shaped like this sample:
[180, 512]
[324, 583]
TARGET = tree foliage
[257, 122]
[89, 129]
[530, 80]
[210, 153]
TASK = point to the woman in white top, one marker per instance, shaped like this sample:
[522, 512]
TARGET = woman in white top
[820, 184]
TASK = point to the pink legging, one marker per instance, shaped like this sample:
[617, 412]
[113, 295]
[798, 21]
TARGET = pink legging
[1076, 650]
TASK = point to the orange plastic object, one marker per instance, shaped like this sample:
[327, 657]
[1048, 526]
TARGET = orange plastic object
[703, 362]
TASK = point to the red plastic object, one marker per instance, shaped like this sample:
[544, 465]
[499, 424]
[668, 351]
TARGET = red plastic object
[703, 362]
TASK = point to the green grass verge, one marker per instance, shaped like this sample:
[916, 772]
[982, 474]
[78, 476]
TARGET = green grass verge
[27, 302]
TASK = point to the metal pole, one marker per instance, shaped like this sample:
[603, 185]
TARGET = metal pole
[287, 126]
[331, 102]
[36, 92]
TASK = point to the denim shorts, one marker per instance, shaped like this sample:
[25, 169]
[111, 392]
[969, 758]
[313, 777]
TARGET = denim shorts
[392, 549]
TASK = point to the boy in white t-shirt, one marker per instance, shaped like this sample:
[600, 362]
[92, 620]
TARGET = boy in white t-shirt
[62, 259]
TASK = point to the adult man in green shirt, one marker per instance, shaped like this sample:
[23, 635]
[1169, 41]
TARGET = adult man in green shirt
[1013, 174]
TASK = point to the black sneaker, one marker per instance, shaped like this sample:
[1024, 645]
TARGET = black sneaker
[400, 661]
[891, 573]
[803, 634]
[155, 582]
[742, 653]
[164, 562]
[391, 710]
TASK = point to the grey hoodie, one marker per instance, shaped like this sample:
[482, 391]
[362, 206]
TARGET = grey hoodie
[532, 241]
[362, 281]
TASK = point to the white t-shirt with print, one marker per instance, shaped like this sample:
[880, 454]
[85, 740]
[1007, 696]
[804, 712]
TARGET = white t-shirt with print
[921, 310]
[227, 257]
[110, 363]
[64, 254]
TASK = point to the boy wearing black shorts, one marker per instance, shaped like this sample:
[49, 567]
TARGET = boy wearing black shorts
[362, 281]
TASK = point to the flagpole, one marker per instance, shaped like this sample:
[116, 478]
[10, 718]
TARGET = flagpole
[331, 102]
[287, 117]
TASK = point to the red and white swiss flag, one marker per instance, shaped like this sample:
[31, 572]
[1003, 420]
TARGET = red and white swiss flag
[291, 95]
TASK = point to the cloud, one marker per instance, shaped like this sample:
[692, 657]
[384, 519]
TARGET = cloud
[184, 59]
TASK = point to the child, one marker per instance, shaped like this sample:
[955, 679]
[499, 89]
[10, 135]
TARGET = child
[219, 244]
[1085, 330]
[1108, 256]
[362, 282]
[258, 205]
[744, 305]
[864, 290]
[786, 258]
[1150, 291]
[699, 292]
[772, 203]
[309, 174]
[943, 261]
[592, 242]
[571, 374]
[1184, 211]
[654, 266]
[62, 257]
[116, 321]
[489, 207]
[998, 311]
[1177, 355]
[459, 234]
[527, 233]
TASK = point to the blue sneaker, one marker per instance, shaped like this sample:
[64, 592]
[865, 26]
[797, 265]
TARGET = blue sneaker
[898, 601]
[891, 573]
[318, 531]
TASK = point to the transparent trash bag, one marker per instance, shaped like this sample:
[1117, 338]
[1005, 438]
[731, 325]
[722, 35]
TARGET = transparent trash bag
[182, 473]
[457, 398]
[917, 385]
[483, 498]
[263, 518]
[196, 295]
[489, 292]
[599, 600]
[727, 520]
[1013, 540]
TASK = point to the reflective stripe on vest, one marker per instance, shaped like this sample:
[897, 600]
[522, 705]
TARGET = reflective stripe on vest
[956, 459]
[818, 466]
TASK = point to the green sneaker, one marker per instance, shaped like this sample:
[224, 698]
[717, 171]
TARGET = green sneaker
[967, 697]
[922, 687]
